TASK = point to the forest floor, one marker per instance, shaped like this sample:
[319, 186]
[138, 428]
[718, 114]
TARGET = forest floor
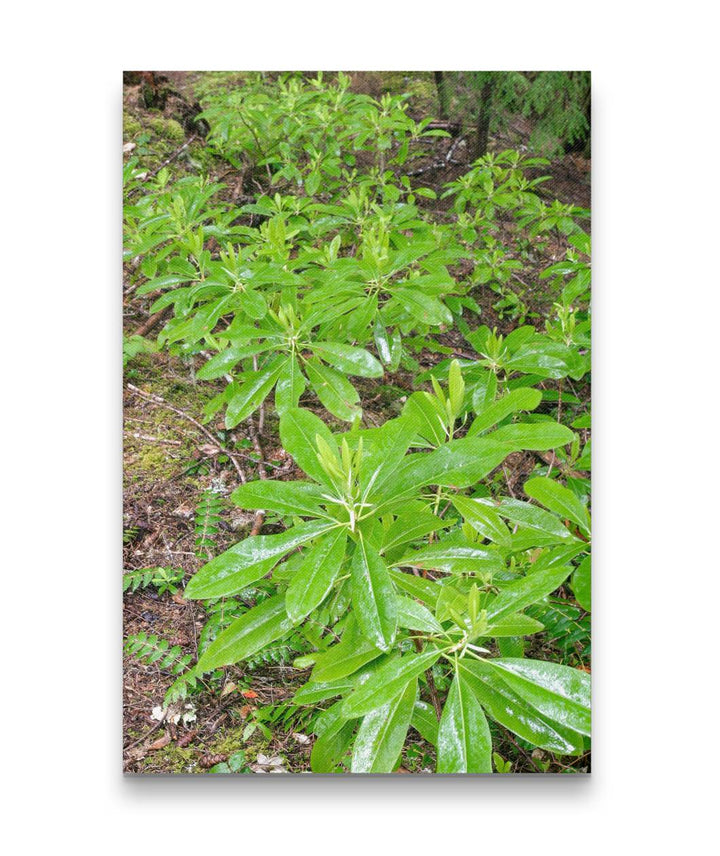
[171, 459]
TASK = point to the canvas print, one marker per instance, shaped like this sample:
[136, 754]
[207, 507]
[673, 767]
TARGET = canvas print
[356, 350]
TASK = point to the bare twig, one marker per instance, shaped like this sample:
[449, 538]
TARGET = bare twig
[159, 401]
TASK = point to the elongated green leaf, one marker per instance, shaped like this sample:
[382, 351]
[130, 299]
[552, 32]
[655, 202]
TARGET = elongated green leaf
[251, 632]
[315, 577]
[383, 450]
[373, 596]
[514, 625]
[424, 590]
[484, 520]
[387, 682]
[536, 436]
[348, 359]
[581, 584]
[453, 559]
[290, 386]
[382, 734]
[560, 500]
[223, 362]
[532, 517]
[464, 744]
[335, 392]
[298, 430]
[505, 706]
[350, 654]
[251, 393]
[334, 737]
[296, 497]
[414, 616]
[410, 527]
[313, 692]
[519, 399]
[248, 561]
[430, 415]
[530, 589]
[424, 307]
[559, 692]
[425, 722]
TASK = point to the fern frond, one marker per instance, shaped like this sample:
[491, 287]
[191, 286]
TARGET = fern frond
[153, 649]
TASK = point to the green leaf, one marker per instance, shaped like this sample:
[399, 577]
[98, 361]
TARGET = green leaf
[251, 632]
[425, 590]
[536, 436]
[430, 415]
[315, 577]
[414, 616]
[382, 734]
[464, 744]
[336, 393]
[334, 737]
[530, 589]
[422, 306]
[532, 517]
[505, 706]
[295, 497]
[454, 559]
[350, 654]
[352, 361]
[581, 584]
[514, 625]
[387, 682]
[226, 360]
[290, 386]
[559, 692]
[560, 500]
[298, 430]
[484, 520]
[248, 561]
[373, 596]
[410, 527]
[251, 393]
[425, 722]
[519, 399]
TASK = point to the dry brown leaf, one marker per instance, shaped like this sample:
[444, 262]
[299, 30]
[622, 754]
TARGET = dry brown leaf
[228, 688]
[160, 743]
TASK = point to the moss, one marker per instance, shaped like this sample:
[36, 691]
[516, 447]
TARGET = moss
[167, 129]
[131, 126]
[171, 759]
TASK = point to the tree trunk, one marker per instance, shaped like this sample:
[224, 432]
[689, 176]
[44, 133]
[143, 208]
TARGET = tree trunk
[482, 130]
[441, 85]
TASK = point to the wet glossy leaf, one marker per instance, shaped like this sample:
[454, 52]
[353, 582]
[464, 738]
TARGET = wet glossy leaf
[464, 744]
[518, 399]
[559, 692]
[581, 584]
[315, 577]
[505, 706]
[414, 616]
[560, 500]
[296, 497]
[348, 359]
[251, 632]
[521, 593]
[336, 393]
[373, 596]
[290, 386]
[382, 734]
[298, 429]
[251, 393]
[387, 682]
[248, 561]
[346, 657]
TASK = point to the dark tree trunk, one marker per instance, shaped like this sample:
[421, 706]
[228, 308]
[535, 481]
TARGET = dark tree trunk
[441, 85]
[482, 128]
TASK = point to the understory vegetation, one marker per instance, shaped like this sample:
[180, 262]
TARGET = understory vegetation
[357, 399]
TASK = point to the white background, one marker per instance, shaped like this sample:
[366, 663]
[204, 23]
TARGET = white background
[655, 383]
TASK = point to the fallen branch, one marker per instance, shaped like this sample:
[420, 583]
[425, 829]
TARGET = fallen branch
[152, 321]
[159, 401]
